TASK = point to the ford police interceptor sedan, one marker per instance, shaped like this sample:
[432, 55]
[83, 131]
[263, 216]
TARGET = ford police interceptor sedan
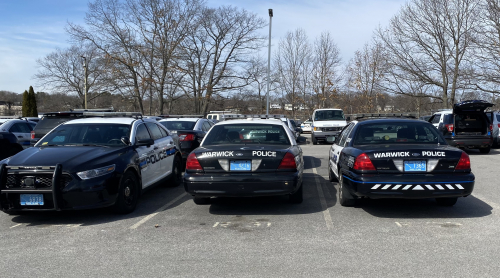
[90, 163]
[245, 158]
[398, 158]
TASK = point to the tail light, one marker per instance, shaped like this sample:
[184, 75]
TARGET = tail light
[463, 163]
[288, 162]
[192, 162]
[186, 137]
[363, 162]
[491, 127]
[498, 125]
[32, 134]
[449, 127]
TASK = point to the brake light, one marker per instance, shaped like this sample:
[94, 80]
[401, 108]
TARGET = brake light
[32, 134]
[491, 127]
[498, 125]
[288, 162]
[186, 137]
[363, 162]
[449, 127]
[463, 163]
[192, 162]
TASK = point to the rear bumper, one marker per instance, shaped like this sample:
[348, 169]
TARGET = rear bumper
[471, 142]
[416, 187]
[242, 185]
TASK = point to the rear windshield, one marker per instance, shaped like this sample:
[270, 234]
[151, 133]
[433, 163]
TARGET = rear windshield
[51, 122]
[178, 125]
[243, 134]
[448, 119]
[86, 134]
[329, 115]
[397, 133]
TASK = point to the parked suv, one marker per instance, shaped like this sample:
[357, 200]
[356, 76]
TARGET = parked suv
[466, 125]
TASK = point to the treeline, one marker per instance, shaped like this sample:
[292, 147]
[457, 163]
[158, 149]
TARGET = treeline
[171, 56]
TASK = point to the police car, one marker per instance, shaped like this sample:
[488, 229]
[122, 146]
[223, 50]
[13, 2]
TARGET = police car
[91, 163]
[398, 158]
[245, 158]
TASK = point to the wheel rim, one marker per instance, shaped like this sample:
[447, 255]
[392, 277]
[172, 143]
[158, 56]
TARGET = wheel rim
[340, 187]
[128, 191]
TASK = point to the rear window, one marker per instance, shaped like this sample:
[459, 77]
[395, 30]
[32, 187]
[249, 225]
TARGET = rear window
[48, 122]
[448, 119]
[329, 115]
[243, 134]
[178, 125]
[397, 133]
[498, 118]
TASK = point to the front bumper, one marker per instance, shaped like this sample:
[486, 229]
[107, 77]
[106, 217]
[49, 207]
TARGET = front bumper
[321, 136]
[471, 142]
[411, 186]
[242, 185]
[64, 192]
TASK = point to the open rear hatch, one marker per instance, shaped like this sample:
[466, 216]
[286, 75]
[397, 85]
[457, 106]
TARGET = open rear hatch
[470, 118]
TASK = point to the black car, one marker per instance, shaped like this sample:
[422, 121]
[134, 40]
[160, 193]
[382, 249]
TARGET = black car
[245, 158]
[466, 126]
[190, 129]
[398, 158]
[9, 145]
[90, 163]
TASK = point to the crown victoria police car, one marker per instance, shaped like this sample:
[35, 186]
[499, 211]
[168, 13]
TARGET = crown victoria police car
[90, 163]
[245, 158]
[398, 158]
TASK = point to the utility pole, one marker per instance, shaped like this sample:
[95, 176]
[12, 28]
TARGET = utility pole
[269, 61]
[85, 79]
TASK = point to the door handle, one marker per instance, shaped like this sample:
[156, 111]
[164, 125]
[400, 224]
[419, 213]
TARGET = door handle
[19, 137]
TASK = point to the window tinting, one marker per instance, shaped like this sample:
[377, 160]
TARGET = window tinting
[397, 133]
[247, 134]
[155, 131]
[163, 132]
[498, 118]
[329, 115]
[344, 135]
[206, 126]
[178, 125]
[436, 118]
[142, 133]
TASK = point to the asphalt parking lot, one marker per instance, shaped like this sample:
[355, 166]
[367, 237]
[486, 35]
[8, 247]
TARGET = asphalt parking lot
[169, 236]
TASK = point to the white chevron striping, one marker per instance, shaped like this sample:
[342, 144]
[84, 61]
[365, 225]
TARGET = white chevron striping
[439, 187]
[429, 187]
[418, 187]
[396, 187]
[376, 186]
[406, 187]
[386, 186]
[449, 186]
[459, 186]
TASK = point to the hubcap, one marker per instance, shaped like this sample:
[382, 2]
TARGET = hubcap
[127, 191]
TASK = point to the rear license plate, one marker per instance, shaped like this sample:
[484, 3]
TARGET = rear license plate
[241, 165]
[31, 199]
[415, 166]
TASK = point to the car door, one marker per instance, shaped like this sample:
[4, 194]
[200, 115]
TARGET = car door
[337, 147]
[161, 158]
[23, 133]
[146, 154]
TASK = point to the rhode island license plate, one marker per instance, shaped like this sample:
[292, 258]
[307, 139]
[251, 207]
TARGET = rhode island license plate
[31, 199]
[415, 166]
[240, 165]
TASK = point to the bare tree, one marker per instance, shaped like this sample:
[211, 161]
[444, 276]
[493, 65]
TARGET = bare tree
[292, 58]
[213, 54]
[428, 42]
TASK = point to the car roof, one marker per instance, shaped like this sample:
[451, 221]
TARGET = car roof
[389, 120]
[180, 119]
[111, 120]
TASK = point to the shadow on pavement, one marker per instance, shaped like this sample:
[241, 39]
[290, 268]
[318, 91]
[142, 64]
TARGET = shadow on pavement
[311, 162]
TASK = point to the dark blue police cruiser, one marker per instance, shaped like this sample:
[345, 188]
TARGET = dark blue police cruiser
[249, 157]
[397, 158]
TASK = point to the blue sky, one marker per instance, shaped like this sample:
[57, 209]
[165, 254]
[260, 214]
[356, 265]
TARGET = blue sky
[31, 29]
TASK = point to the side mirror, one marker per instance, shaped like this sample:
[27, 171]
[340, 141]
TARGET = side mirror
[125, 140]
[331, 139]
[145, 142]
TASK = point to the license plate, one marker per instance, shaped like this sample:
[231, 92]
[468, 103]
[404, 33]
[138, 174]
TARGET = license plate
[415, 166]
[243, 165]
[31, 199]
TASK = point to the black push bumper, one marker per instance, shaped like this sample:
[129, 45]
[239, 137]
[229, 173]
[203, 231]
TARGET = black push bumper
[242, 185]
[411, 187]
[60, 190]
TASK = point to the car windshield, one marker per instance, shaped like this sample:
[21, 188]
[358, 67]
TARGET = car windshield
[329, 115]
[243, 134]
[397, 133]
[86, 134]
[178, 125]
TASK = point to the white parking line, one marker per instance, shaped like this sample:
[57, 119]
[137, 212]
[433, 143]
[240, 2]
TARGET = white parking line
[15, 226]
[149, 216]
[322, 200]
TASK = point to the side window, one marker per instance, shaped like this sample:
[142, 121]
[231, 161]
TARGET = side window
[206, 126]
[155, 131]
[21, 128]
[498, 118]
[209, 117]
[164, 133]
[32, 126]
[142, 133]
[436, 118]
[15, 128]
[344, 135]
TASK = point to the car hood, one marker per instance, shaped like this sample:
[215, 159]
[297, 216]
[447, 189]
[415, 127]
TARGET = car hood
[72, 158]
[471, 105]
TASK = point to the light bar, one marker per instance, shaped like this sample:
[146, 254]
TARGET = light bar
[381, 115]
[113, 114]
[255, 116]
[94, 110]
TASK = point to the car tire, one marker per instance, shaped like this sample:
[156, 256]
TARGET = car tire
[201, 200]
[128, 194]
[447, 202]
[331, 175]
[314, 140]
[175, 178]
[345, 197]
[485, 150]
[297, 196]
